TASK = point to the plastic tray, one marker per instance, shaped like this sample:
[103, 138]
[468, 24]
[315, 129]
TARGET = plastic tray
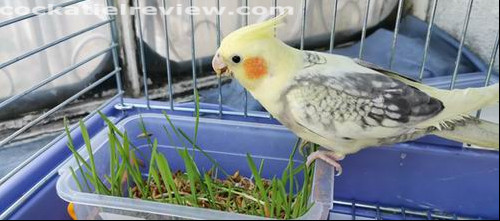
[432, 176]
[227, 141]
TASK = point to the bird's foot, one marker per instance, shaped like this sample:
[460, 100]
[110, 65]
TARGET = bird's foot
[329, 157]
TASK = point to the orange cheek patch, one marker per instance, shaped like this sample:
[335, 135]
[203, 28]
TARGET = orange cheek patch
[255, 68]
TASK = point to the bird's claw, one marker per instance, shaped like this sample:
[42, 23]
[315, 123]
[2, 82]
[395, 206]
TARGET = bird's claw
[329, 157]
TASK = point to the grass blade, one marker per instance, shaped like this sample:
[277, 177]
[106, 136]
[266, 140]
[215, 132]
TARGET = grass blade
[210, 188]
[260, 185]
[93, 170]
[114, 164]
[172, 126]
[197, 112]
[77, 181]
[112, 127]
[154, 152]
[157, 181]
[283, 198]
[193, 175]
[77, 156]
[168, 177]
[211, 159]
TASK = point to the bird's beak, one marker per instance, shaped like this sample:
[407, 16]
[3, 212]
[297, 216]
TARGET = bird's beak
[219, 66]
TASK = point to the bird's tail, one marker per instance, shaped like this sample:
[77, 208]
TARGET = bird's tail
[470, 100]
[473, 131]
[460, 103]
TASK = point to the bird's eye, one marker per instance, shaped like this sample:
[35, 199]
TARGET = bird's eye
[236, 59]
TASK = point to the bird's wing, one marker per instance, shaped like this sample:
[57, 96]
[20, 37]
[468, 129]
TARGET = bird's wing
[385, 71]
[356, 105]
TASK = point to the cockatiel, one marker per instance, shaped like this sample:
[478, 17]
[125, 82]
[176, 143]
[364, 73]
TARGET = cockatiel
[347, 105]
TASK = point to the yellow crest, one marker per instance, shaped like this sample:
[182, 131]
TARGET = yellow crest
[264, 29]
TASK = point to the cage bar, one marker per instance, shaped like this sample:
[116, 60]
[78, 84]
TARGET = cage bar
[403, 213]
[396, 33]
[304, 22]
[275, 4]
[246, 19]
[167, 57]
[430, 28]
[377, 212]
[142, 53]
[276, 11]
[49, 145]
[56, 76]
[493, 57]
[204, 111]
[54, 172]
[363, 32]
[353, 214]
[116, 59]
[39, 12]
[57, 108]
[219, 40]
[462, 44]
[492, 61]
[334, 25]
[245, 23]
[27, 195]
[52, 44]
[193, 53]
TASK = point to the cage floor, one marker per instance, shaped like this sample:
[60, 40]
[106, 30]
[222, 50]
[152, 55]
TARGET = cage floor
[343, 210]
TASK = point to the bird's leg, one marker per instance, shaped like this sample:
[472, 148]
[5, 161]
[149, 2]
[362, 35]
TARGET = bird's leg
[327, 156]
[304, 144]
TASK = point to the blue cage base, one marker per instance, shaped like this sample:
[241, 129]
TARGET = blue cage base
[430, 178]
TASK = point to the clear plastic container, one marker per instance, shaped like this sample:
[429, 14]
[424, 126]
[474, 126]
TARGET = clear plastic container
[228, 142]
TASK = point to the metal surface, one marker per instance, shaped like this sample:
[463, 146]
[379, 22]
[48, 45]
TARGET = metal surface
[51, 174]
[304, 25]
[334, 25]
[204, 111]
[116, 73]
[52, 44]
[193, 51]
[46, 147]
[428, 38]
[142, 54]
[206, 23]
[491, 64]
[116, 54]
[56, 76]
[365, 27]
[245, 23]
[465, 29]
[39, 12]
[359, 211]
[57, 108]
[219, 40]
[167, 57]
[396, 33]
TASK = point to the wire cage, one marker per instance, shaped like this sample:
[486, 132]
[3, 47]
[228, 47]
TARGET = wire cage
[14, 200]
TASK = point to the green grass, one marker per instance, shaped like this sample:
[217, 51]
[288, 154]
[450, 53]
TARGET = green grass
[278, 197]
